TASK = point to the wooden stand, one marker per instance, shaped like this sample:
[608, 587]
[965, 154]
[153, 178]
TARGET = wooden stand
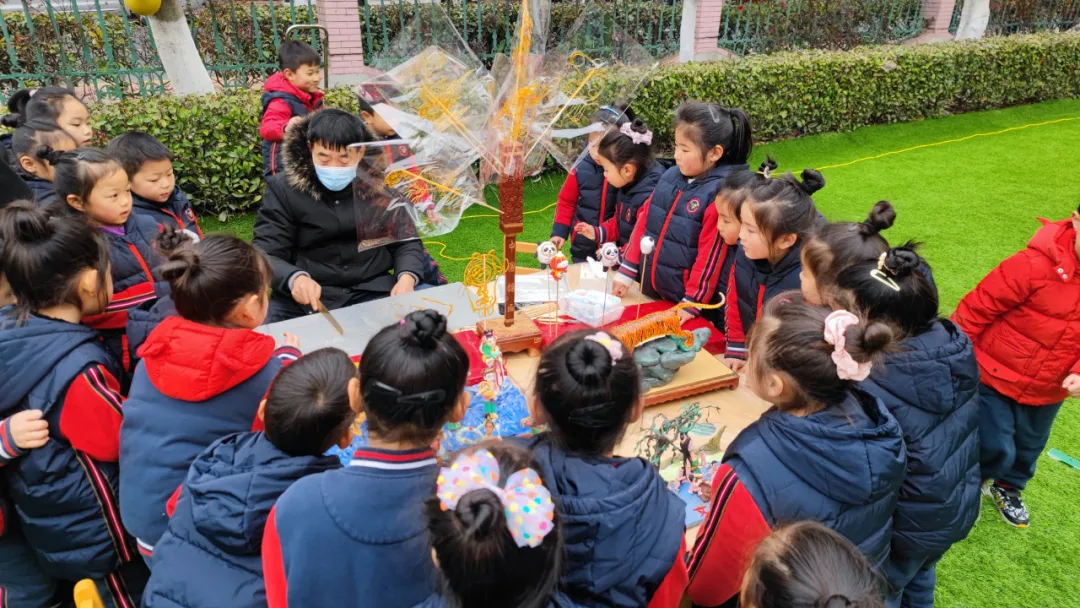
[701, 375]
[522, 335]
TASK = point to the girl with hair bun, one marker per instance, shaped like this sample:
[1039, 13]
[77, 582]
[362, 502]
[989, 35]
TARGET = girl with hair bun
[56, 105]
[625, 154]
[930, 384]
[495, 536]
[807, 564]
[201, 376]
[622, 529]
[64, 491]
[777, 217]
[586, 196]
[826, 451]
[839, 244]
[360, 532]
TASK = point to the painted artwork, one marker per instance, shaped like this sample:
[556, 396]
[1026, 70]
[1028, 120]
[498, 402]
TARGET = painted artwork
[507, 417]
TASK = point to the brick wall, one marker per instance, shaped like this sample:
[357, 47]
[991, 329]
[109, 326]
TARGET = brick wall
[342, 19]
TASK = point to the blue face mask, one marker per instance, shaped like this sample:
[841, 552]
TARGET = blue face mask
[336, 179]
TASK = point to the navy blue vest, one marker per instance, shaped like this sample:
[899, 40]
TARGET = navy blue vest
[757, 281]
[631, 197]
[842, 466]
[66, 501]
[595, 204]
[130, 266]
[271, 150]
[675, 216]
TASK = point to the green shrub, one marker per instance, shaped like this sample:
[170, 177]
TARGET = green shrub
[216, 143]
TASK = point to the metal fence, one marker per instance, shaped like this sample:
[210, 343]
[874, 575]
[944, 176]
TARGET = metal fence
[98, 48]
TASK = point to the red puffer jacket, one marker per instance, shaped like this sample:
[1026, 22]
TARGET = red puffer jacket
[1024, 318]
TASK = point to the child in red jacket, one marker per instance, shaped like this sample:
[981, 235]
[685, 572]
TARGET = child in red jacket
[288, 96]
[1024, 320]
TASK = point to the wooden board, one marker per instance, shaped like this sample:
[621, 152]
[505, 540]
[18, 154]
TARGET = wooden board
[705, 373]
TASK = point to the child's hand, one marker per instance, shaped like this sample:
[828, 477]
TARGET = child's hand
[29, 430]
[619, 289]
[585, 230]
[558, 241]
[1072, 384]
[291, 340]
[685, 315]
[736, 365]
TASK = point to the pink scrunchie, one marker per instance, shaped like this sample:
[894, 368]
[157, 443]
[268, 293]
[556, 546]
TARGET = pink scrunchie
[836, 324]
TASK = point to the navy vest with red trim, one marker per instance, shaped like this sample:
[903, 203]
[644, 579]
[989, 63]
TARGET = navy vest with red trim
[175, 212]
[676, 213]
[133, 257]
[271, 150]
[630, 198]
[757, 281]
[595, 204]
[66, 501]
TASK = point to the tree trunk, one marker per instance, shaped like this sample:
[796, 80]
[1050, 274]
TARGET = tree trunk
[178, 52]
[973, 19]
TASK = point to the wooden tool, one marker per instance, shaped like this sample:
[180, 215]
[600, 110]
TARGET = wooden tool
[330, 318]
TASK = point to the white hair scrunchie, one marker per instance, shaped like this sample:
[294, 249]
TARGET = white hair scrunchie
[836, 326]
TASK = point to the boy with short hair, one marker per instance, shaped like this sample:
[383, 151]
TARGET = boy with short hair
[154, 192]
[1024, 320]
[287, 96]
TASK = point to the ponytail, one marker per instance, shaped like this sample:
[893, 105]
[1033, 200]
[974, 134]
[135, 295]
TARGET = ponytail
[711, 125]
[210, 277]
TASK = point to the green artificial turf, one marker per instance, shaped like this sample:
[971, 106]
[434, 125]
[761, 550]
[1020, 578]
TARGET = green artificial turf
[972, 202]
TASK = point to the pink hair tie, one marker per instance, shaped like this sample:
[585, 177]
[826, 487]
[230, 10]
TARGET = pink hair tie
[836, 326]
[627, 129]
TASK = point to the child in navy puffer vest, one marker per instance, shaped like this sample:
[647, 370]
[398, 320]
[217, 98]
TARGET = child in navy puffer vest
[623, 530]
[211, 554]
[93, 184]
[625, 154]
[826, 451]
[198, 379]
[154, 192]
[930, 384]
[711, 142]
[586, 196]
[495, 532]
[358, 536]
[777, 218]
[64, 492]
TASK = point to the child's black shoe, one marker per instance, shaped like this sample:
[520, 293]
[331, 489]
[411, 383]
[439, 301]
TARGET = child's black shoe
[1009, 504]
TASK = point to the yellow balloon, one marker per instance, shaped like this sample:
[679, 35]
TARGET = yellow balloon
[143, 7]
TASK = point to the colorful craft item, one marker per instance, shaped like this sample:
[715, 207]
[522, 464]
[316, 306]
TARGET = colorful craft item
[545, 251]
[613, 346]
[609, 255]
[559, 266]
[530, 513]
[495, 365]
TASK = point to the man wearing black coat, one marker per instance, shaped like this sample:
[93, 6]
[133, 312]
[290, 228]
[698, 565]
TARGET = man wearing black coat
[307, 225]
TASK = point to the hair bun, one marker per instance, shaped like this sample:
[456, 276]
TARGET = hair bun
[866, 342]
[588, 362]
[425, 328]
[768, 164]
[881, 217]
[12, 120]
[172, 240]
[183, 264]
[638, 126]
[903, 260]
[22, 222]
[812, 181]
[479, 512]
[49, 155]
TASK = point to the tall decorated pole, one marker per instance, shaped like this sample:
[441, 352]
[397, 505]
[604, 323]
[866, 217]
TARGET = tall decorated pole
[511, 218]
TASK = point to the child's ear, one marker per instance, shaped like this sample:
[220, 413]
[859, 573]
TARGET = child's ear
[27, 164]
[262, 410]
[354, 395]
[88, 284]
[460, 407]
[787, 241]
[715, 154]
[289, 74]
[347, 438]
[247, 312]
[76, 203]
[1076, 220]
[774, 386]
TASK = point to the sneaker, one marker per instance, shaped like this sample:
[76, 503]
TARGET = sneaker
[1009, 504]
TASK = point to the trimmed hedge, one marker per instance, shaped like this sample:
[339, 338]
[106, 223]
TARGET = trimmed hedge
[216, 143]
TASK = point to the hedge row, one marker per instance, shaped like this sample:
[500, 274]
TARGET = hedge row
[215, 139]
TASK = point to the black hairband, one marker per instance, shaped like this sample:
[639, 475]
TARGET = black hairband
[583, 416]
[422, 398]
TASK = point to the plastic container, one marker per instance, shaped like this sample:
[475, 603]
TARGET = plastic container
[588, 307]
